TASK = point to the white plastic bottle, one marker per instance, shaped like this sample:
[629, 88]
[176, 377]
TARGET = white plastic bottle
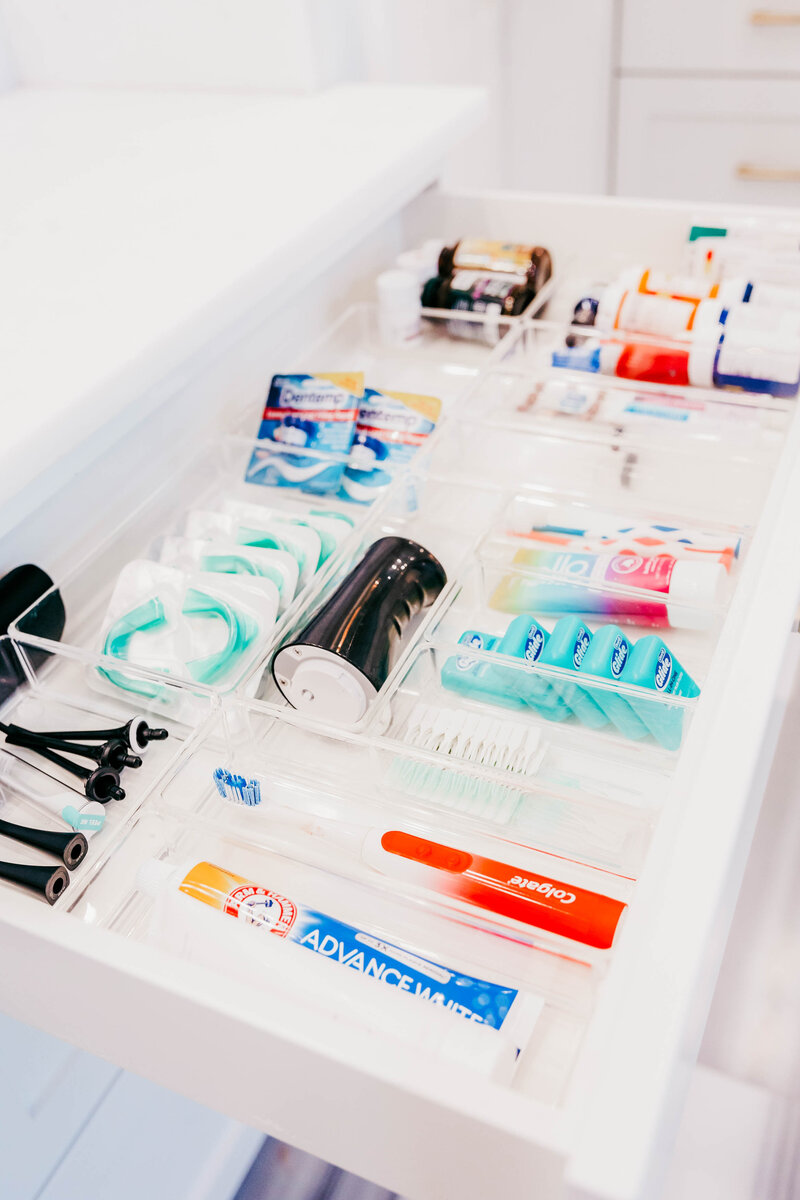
[399, 307]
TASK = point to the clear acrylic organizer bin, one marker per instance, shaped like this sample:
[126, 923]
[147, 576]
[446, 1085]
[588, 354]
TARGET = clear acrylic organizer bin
[321, 817]
[557, 992]
[198, 505]
[593, 804]
[443, 359]
[609, 474]
[48, 691]
[531, 349]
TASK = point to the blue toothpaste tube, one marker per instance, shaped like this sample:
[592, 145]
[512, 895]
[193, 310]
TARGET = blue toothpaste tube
[651, 664]
[476, 1000]
[391, 428]
[316, 413]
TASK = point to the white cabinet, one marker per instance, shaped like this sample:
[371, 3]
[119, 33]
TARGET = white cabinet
[709, 100]
[711, 36]
[598, 1092]
[706, 139]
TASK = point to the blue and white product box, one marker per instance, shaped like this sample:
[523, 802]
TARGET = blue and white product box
[312, 413]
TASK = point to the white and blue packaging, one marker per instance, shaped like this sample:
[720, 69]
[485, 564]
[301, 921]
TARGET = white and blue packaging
[312, 413]
[391, 428]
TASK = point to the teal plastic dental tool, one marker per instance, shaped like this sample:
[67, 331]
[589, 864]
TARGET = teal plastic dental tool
[237, 564]
[145, 618]
[241, 632]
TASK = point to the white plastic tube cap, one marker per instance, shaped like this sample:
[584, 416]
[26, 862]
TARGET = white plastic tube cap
[695, 583]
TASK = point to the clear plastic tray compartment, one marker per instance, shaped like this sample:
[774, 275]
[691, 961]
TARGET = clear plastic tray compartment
[442, 360]
[209, 563]
[547, 1027]
[633, 643]
[603, 409]
[444, 517]
[764, 363]
[553, 522]
[556, 786]
[47, 693]
[344, 807]
[614, 474]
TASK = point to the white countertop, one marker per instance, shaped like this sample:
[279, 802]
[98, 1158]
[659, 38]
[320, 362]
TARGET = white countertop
[136, 225]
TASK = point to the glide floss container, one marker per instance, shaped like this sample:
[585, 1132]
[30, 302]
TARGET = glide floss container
[226, 558]
[526, 639]
[651, 664]
[606, 656]
[336, 666]
[476, 678]
[566, 648]
[316, 413]
[332, 526]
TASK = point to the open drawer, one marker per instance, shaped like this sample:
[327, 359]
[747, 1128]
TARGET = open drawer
[660, 823]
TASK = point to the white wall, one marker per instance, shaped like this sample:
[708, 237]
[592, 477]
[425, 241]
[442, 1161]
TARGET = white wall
[548, 67]
[275, 45]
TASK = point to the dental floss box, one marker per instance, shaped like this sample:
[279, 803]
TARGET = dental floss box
[316, 413]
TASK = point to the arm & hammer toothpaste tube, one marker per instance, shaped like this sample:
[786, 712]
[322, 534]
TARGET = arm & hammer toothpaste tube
[488, 1024]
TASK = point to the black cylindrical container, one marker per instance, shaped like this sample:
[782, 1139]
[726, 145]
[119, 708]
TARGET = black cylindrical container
[20, 588]
[340, 661]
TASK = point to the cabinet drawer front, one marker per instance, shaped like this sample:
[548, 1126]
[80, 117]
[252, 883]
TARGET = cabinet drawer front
[761, 36]
[707, 140]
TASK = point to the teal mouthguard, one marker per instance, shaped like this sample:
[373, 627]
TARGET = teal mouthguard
[235, 564]
[147, 616]
[270, 541]
[241, 632]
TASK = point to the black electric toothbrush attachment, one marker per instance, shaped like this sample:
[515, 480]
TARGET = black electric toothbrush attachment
[337, 665]
[113, 753]
[136, 734]
[69, 847]
[49, 882]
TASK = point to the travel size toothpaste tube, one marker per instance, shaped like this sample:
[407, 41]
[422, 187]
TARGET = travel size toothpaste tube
[476, 1000]
[576, 582]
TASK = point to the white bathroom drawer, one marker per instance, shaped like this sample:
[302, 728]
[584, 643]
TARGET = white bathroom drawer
[711, 36]
[710, 139]
[417, 1124]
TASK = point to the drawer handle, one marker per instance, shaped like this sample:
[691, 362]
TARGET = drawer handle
[765, 16]
[751, 174]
